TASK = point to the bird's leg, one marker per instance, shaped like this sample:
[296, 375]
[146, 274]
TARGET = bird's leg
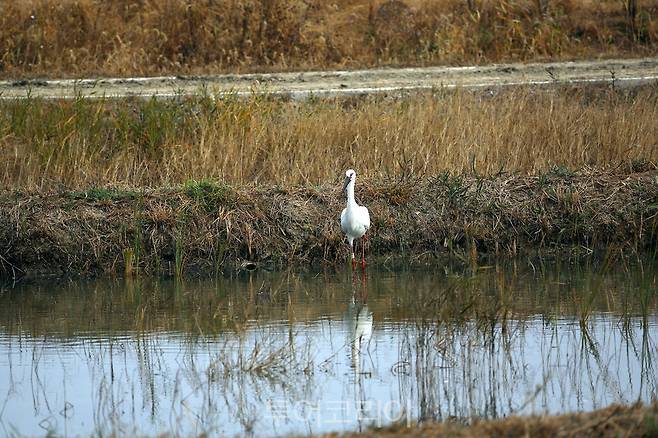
[363, 252]
[353, 258]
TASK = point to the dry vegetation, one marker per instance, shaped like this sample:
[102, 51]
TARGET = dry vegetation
[636, 421]
[130, 37]
[207, 226]
[257, 179]
[441, 171]
[94, 143]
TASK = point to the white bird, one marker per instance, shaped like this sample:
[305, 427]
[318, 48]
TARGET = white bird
[355, 219]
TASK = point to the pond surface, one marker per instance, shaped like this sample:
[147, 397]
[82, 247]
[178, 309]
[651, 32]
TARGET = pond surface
[284, 353]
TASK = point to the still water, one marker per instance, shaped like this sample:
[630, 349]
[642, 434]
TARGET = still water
[278, 353]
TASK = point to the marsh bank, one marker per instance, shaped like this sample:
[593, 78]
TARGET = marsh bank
[207, 226]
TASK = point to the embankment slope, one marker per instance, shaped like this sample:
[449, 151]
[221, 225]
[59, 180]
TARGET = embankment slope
[208, 226]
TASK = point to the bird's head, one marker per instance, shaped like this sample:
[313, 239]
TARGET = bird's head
[350, 175]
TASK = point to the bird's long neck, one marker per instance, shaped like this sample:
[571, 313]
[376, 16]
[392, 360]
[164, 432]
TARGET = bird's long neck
[351, 202]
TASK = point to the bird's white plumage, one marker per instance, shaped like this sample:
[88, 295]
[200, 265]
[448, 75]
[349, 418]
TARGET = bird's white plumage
[355, 222]
[355, 218]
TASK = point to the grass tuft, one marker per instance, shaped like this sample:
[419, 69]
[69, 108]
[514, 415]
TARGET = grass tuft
[104, 194]
[207, 193]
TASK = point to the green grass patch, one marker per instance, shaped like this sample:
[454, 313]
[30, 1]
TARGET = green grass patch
[104, 194]
[209, 194]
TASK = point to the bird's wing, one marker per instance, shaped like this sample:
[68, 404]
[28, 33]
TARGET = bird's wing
[343, 220]
[366, 217]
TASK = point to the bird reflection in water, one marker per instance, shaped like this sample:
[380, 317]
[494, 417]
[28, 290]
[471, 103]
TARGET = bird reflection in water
[358, 321]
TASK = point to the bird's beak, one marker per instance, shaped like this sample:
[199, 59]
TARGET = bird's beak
[345, 184]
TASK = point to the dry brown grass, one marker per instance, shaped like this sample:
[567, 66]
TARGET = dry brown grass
[637, 421]
[130, 37]
[83, 143]
[206, 226]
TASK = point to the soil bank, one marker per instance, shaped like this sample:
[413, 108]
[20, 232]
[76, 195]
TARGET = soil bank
[613, 421]
[208, 226]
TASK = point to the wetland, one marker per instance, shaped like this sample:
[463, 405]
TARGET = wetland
[171, 262]
[270, 353]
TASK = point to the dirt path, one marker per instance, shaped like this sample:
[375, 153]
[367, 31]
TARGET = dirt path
[629, 72]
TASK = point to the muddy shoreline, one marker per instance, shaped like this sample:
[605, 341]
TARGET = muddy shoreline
[613, 421]
[208, 226]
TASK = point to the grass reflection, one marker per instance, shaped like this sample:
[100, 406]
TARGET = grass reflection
[226, 355]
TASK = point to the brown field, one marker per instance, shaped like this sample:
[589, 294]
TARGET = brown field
[84, 143]
[74, 38]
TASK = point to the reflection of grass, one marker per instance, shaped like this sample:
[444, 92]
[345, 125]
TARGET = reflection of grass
[179, 257]
[463, 335]
[266, 358]
[467, 326]
[490, 296]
